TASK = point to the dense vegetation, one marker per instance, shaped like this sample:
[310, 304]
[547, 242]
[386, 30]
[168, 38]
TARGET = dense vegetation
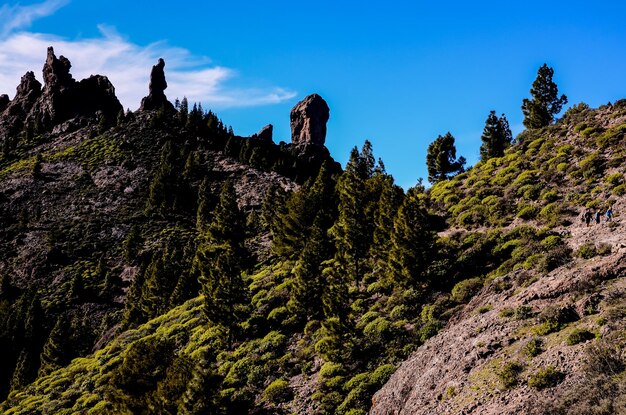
[359, 272]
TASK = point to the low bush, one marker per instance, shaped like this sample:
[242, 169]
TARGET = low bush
[466, 289]
[587, 251]
[548, 377]
[533, 348]
[277, 392]
[509, 374]
[579, 336]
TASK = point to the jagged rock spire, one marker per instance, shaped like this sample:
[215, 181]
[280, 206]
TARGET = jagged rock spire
[156, 98]
[56, 72]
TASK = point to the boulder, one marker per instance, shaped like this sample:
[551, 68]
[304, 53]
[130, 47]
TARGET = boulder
[156, 98]
[308, 121]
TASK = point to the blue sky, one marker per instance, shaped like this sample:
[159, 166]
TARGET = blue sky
[396, 73]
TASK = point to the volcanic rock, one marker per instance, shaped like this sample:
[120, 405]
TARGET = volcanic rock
[61, 99]
[4, 102]
[56, 72]
[265, 134]
[156, 98]
[308, 121]
[97, 93]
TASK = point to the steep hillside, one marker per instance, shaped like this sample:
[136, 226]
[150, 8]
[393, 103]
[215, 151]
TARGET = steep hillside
[537, 338]
[91, 196]
[154, 262]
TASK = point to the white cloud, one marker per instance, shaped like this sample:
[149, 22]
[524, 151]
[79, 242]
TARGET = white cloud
[13, 17]
[126, 64]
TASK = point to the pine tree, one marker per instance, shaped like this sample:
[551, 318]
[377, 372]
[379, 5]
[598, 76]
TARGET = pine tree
[545, 103]
[76, 292]
[302, 207]
[132, 244]
[164, 187]
[220, 261]
[351, 231]
[56, 350]
[203, 215]
[336, 306]
[496, 137]
[441, 159]
[161, 278]
[200, 396]
[28, 361]
[183, 111]
[387, 206]
[412, 241]
[309, 285]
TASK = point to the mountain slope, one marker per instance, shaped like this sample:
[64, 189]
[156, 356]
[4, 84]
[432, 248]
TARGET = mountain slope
[537, 338]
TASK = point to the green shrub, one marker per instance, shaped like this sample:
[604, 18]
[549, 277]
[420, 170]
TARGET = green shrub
[615, 179]
[527, 212]
[524, 312]
[277, 392]
[551, 242]
[550, 196]
[509, 374]
[619, 190]
[484, 309]
[579, 336]
[546, 327]
[533, 348]
[604, 249]
[466, 289]
[587, 250]
[546, 378]
[507, 312]
[592, 166]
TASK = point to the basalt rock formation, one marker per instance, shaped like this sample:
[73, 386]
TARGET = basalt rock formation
[266, 133]
[61, 99]
[308, 121]
[156, 98]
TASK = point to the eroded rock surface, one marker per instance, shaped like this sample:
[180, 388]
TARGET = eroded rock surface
[308, 121]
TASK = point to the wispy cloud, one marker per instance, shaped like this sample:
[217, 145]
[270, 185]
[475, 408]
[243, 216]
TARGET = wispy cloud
[14, 17]
[126, 64]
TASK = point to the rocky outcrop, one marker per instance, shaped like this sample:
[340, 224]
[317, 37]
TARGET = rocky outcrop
[308, 121]
[15, 112]
[266, 134]
[156, 98]
[61, 99]
[4, 102]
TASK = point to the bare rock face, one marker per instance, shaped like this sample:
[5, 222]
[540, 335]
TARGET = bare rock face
[308, 121]
[266, 133]
[156, 98]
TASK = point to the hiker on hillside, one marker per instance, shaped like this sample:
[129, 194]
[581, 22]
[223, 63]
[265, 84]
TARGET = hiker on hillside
[598, 216]
[588, 216]
[609, 214]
